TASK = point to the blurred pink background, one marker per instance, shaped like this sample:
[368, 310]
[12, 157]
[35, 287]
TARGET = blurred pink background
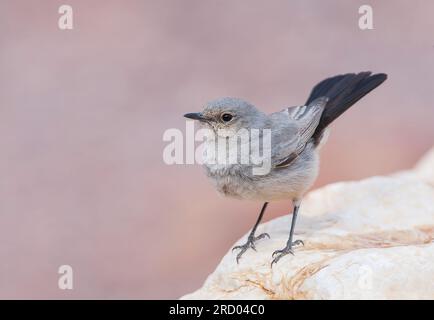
[82, 114]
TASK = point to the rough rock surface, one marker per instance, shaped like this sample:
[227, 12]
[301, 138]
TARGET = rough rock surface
[370, 239]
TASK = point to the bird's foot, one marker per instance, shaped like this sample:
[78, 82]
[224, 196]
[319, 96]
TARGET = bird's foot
[288, 249]
[249, 244]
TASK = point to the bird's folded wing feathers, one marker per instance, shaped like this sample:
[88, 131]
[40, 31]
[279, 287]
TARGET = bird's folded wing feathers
[291, 130]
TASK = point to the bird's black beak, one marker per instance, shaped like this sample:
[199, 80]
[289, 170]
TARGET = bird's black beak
[195, 116]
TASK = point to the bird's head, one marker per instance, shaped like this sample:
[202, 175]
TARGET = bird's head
[229, 115]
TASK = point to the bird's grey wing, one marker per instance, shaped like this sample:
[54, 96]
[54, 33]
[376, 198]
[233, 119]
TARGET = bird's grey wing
[291, 137]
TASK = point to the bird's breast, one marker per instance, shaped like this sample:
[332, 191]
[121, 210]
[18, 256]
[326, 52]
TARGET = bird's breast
[230, 180]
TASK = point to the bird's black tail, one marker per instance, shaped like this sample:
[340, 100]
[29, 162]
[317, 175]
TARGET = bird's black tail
[342, 91]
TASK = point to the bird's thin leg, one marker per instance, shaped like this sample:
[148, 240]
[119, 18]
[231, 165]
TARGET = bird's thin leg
[288, 249]
[251, 239]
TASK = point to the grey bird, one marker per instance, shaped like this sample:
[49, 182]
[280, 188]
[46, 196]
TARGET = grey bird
[296, 136]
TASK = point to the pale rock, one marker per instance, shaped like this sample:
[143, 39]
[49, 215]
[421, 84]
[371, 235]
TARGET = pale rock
[425, 168]
[371, 239]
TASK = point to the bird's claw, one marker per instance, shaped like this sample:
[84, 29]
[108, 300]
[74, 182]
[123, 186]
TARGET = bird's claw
[249, 244]
[283, 252]
[279, 254]
[297, 242]
[261, 236]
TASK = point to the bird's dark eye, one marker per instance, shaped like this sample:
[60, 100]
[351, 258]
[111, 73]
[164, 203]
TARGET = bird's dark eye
[226, 117]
